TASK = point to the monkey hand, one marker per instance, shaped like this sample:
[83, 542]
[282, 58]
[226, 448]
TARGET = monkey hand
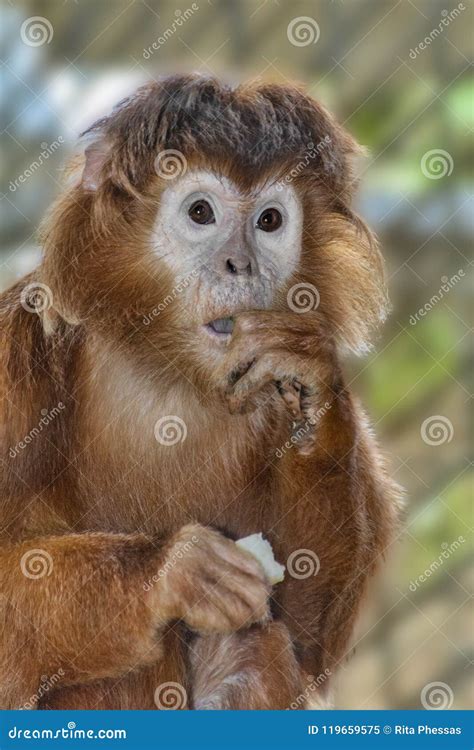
[210, 583]
[286, 351]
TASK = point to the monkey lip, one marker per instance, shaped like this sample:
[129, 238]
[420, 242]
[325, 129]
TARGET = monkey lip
[221, 327]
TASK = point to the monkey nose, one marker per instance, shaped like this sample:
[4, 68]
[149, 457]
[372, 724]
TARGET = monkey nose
[239, 266]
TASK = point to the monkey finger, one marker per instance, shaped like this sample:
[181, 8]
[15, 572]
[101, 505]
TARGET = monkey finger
[254, 380]
[227, 604]
[227, 553]
[290, 391]
[266, 370]
[238, 612]
[254, 591]
[243, 612]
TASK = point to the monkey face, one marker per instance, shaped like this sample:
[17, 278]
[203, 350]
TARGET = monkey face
[230, 249]
[262, 206]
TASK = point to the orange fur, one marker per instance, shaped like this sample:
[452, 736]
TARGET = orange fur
[108, 503]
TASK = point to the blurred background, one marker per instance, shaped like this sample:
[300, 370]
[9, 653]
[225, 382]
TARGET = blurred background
[397, 75]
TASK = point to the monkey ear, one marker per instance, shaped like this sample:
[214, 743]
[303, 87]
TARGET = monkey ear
[96, 155]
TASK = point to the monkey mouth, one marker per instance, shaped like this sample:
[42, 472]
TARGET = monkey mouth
[221, 327]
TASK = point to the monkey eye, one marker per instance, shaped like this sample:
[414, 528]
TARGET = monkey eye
[270, 220]
[201, 212]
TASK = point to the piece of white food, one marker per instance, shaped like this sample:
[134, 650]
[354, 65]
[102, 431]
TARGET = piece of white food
[261, 549]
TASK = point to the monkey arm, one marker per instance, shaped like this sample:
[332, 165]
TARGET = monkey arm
[88, 606]
[333, 516]
[332, 510]
[75, 605]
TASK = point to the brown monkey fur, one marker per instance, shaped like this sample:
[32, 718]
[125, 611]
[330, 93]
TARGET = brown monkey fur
[110, 505]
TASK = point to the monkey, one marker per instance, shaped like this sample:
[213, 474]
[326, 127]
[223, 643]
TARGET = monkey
[204, 275]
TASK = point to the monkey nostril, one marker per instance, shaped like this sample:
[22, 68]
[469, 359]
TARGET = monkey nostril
[236, 267]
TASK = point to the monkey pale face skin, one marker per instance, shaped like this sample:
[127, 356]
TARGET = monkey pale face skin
[232, 250]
